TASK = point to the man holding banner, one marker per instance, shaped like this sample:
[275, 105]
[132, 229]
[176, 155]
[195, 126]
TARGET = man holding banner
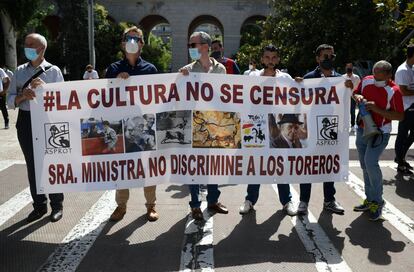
[383, 99]
[270, 60]
[132, 65]
[198, 48]
[26, 79]
[325, 58]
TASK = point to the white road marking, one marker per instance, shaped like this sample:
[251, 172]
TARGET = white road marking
[68, 255]
[316, 241]
[7, 163]
[198, 250]
[17, 202]
[399, 220]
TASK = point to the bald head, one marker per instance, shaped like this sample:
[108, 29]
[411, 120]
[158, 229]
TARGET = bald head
[36, 41]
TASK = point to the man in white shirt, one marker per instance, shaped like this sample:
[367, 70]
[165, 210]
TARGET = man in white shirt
[4, 85]
[270, 60]
[90, 73]
[252, 68]
[349, 75]
[404, 77]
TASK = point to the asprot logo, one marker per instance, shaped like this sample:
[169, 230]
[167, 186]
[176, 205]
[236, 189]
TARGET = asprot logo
[57, 138]
[327, 127]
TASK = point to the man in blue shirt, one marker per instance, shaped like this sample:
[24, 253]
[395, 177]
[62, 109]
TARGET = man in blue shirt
[325, 58]
[131, 65]
[25, 80]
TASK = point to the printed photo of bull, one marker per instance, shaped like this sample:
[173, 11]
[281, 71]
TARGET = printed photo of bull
[173, 129]
[217, 129]
[288, 130]
[101, 136]
[139, 133]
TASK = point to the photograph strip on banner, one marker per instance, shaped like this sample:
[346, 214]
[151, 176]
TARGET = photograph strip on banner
[197, 129]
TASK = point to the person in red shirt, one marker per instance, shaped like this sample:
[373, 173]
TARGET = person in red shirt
[217, 53]
[382, 98]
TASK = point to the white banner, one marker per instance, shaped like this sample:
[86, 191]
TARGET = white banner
[202, 128]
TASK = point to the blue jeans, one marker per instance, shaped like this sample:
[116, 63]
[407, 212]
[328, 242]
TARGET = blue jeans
[369, 155]
[253, 193]
[212, 196]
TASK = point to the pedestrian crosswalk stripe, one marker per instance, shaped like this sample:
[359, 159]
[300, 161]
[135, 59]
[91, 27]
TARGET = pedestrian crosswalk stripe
[315, 240]
[399, 220]
[68, 255]
[7, 163]
[12, 206]
[198, 250]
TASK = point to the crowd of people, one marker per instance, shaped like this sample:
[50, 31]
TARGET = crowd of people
[383, 98]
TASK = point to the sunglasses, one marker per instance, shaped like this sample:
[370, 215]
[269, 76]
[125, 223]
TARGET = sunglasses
[193, 45]
[135, 38]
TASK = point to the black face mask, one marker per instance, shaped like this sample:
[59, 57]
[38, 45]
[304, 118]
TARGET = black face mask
[216, 55]
[349, 70]
[326, 64]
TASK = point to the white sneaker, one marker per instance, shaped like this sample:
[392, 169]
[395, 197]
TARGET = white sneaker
[289, 209]
[303, 208]
[246, 207]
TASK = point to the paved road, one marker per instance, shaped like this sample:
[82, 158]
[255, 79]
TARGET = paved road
[264, 240]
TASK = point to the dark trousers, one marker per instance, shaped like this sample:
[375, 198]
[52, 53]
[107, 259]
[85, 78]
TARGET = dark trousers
[4, 109]
[213, 194]
[353, 104]
[405, 137]
[284, 193]
[24, 135]
[328, 191]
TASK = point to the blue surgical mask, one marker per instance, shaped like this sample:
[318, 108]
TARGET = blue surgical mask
[30, 53]
[194, 53]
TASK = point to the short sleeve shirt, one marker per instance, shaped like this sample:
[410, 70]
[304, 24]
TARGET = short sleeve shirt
[405, 76]
[197, 67]
[387, 98]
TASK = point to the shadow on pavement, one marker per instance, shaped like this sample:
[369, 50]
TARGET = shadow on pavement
[116, 253]
[250, 243]
[325, 221]
[374, 237]
[19, 254]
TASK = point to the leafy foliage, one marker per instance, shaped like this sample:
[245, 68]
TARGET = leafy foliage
[107, 39]
[158, 53]
[354, 27]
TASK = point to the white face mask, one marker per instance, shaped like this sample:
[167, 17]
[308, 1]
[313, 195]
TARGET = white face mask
[380, 84]
[250, 67]
[131, 47]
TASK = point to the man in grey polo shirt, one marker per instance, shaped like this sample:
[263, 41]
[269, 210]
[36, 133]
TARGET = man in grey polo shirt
[22, 88]
[198, 48]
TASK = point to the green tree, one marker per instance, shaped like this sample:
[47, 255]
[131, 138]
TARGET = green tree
[74, 36]
[402, 13]
[251, 43]
[14, 15]
[158, 53]
[107, 39]
[353, 27]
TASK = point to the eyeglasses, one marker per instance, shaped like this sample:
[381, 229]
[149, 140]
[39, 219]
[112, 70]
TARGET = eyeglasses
[135, 38]
[193, 45]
